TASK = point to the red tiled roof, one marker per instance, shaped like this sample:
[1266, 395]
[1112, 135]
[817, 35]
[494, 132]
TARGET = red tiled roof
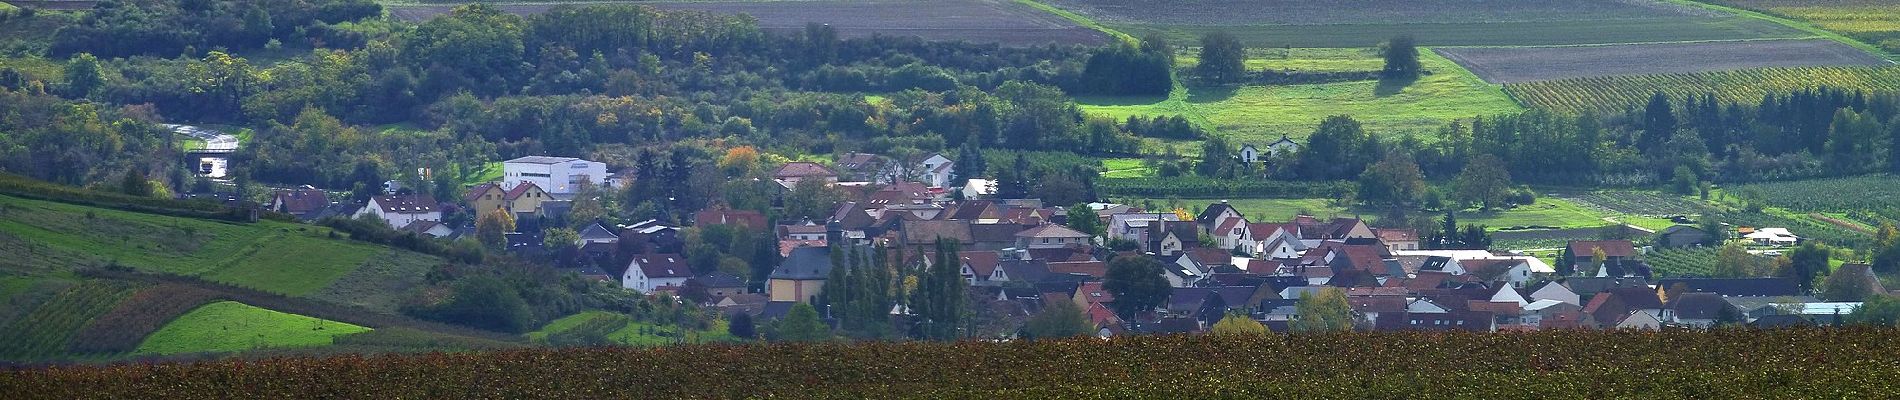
[1376, 304]
[520, 190]
[1094, 293]
[723, 216]
[475, 193]
[785, 247]
[1611, 248]
[983, 263]
[1396, 235]
[302, 201]
[1227, 226]
[1096, 269]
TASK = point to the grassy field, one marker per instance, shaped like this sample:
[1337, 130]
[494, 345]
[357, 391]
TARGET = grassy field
[1303, 59]
[293, 259]
[1126, 168]
[230, 326]
[1260, 114]
[1601, 94]
[39, 68]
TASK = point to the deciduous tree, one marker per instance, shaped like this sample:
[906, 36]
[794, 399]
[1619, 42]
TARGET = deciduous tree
[1325, 311]
[1137, 285]
[801, 324]
[1223, 59]
[1484, 181]
[1394, 181]
[1401, 59]
[1239, 325]
[1058, 319]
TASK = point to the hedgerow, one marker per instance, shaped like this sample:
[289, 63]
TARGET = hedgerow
[1805, 363]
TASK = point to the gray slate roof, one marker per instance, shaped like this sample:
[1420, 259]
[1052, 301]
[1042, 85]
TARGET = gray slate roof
[805, 263]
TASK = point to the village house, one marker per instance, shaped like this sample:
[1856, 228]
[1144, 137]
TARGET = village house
[801, 276]
[1398, 239]
[934, 170]
[1050, 236]
[526, 199]
[484, 198]
[1582, 252]
[401, 210]
[791, 173]
[719, 214]
[649, 272]
[562, 175]
[306, 203]
[1772, 237]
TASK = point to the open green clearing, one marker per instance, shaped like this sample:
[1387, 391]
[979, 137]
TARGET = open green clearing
[1296, 23]
[229, 326]
[48, 238]
[1299, 59]
[1612, 93]
[1260, 114]
[1126, 168]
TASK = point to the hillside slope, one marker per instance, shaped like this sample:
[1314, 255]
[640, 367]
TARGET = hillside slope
[87, 283]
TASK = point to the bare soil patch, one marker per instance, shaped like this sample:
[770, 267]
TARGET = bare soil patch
[1531, 64]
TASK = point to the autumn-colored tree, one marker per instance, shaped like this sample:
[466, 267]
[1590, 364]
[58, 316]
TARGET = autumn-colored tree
[492, 228]
[1238, 324]
[1326, 311]
[740, 161]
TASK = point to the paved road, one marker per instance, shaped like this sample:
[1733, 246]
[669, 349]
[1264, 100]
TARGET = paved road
[215, 141]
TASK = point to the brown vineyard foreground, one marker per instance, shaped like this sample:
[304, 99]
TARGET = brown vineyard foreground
[1724, 364]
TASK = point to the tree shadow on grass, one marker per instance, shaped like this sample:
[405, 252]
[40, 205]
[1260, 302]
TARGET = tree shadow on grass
[1392, 86]
[1211, 94]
